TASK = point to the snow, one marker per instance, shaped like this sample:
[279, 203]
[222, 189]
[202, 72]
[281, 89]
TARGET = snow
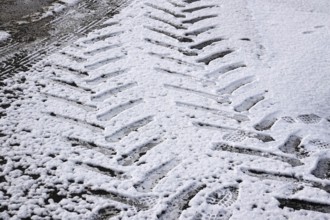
[297, 38]
[4, 36]
[147, 118]
[58, 7]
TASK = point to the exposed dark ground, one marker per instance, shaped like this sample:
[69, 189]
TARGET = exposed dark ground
[16, 9]
[16, 17]
[33, 36]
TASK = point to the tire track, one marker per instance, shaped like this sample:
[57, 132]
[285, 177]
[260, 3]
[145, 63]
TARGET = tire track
[163, 93]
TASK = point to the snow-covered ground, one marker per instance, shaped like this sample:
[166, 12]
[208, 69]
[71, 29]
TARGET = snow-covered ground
[175, 110]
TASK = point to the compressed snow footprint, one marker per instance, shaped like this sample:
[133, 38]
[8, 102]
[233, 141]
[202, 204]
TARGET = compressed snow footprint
[224, 197]
[288, 119]
[219, 202]
[220, 215]
[320, 144]
[309, 118]
[236, 136]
